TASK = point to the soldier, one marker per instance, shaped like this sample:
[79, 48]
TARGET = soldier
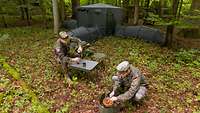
[63, 53]
[129, 83]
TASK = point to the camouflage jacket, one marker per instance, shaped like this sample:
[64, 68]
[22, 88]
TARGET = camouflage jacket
[129, 85]
[63, 49]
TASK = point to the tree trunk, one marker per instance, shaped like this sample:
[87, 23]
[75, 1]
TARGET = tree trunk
[119, 3]
[22, 13]
[62, 10]
[42, 8]
[125, 6]
[26, 10]
[147, 2]
[136, 12]
[27, 15]
[161, 8]
[56, 17]
[179, 11]
[169, 35]
[21, 9]
[75, 4]
[170, 28]
[175, 7]
[116, 3]
[4, 21]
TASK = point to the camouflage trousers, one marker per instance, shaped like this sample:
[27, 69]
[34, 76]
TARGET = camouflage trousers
[141, 92]
[64, 60]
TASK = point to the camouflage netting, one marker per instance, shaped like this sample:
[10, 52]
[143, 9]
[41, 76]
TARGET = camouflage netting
[70, 24]
[103, 20]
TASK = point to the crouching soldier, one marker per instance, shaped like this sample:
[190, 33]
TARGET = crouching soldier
[64, 54]
[129, 84]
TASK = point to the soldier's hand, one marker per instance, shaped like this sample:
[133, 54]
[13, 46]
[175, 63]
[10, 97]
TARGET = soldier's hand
[80, 49]
[115, 78]
[77, 59]
[113, 98]
[112, 94]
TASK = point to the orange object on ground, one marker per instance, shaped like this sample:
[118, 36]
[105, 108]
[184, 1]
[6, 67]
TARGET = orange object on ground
[107, 102]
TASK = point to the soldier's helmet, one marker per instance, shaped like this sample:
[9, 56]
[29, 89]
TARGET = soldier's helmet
[63, 34]
[123, 66]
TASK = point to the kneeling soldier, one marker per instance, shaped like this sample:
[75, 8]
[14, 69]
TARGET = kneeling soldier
[63, 52]
[129, 83]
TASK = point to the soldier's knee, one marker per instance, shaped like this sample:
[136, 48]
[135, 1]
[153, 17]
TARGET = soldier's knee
[140, 94]
[138, 97]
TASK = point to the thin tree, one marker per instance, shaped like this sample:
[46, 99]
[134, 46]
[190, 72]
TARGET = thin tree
[120, 3]
[43, 10]
[161, 8]
[116, 2]
[62, 10]
[26, 10]
[4, 21]
[21, 9]
[75, 5]
[125, 6]
[136, 12]
[55, 16]
[147, 2]
[170, 28]
[175, 7]
[180, 7]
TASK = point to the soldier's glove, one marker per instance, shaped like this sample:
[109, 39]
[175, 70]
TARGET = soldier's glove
[57, 50]
[77, 59]
[113, 98]
[80, 49]
[115, 78]
[112, 94]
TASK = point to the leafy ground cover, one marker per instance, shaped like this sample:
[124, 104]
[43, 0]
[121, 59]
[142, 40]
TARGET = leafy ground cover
[173, 75]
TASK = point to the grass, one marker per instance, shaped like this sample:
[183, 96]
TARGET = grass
[173, 75]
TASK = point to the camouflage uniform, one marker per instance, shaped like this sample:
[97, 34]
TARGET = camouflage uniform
[130, 87]
[64, 51]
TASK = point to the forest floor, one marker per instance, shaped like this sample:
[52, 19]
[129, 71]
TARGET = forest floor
[173, 75]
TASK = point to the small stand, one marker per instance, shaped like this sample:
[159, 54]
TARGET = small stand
[84, 65]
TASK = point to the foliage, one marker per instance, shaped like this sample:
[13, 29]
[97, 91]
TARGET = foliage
[170, 73]
[153, 18]
[64, 109]
[190, 57]
[9, 7]
[10, 70]
[47, 6]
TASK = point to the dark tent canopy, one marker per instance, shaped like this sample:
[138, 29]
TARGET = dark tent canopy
[100, 5]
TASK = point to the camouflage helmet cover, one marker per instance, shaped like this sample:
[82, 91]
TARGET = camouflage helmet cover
[63, 34]
[123, 66]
